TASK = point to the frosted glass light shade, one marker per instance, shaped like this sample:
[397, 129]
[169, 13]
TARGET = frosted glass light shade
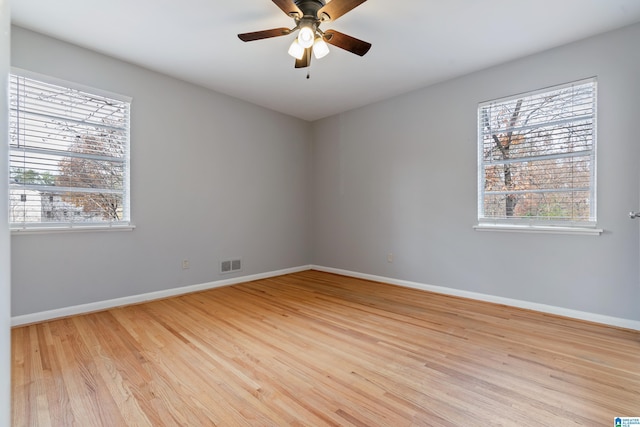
[306, 37]
[320, 48]
[296, 50]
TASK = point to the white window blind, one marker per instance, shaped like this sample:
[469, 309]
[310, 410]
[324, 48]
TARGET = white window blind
[537, 155]
[68, 155]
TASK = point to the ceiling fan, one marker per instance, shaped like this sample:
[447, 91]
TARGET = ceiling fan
[308, 15]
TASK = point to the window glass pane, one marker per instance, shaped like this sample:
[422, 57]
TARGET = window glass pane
[537, 155]
[68, 155]
[545, 206]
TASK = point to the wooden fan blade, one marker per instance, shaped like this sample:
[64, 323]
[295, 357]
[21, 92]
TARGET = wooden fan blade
[306, 59]
[336, 8]
[346, 42]
[289, 7]
[265, 34]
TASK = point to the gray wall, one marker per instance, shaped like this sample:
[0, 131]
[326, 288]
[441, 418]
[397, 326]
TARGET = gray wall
[212, 178]
[5, 288]
[400, 176]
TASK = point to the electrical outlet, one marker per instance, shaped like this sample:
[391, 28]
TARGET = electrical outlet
[389, 257]
[185, 264]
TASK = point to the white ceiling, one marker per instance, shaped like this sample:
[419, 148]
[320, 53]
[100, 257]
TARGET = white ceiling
[415, 42]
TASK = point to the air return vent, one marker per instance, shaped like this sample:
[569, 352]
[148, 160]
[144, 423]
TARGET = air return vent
[230, 266]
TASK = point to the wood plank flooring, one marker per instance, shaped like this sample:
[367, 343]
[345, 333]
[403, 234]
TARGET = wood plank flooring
[316, 349]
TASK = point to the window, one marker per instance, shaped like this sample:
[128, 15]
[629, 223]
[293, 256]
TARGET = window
[68, 155]
[537, 155]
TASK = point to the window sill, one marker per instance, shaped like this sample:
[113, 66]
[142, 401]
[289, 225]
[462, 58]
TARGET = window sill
[589, 231]
[74, 229]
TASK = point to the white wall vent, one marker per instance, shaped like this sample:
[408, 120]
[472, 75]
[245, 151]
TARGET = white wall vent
[230, 266]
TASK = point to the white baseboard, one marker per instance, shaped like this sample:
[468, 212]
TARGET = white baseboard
[136, 299]
[544, 308]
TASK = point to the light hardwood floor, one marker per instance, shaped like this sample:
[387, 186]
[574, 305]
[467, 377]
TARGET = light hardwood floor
[315, 349]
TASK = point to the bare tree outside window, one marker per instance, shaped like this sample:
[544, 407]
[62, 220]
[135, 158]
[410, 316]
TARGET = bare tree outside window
[93, 173]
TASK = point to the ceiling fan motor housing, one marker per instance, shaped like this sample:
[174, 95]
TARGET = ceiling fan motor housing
[310, 8]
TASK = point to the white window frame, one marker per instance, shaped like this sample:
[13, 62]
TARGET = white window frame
[42, 226]
[505, 223]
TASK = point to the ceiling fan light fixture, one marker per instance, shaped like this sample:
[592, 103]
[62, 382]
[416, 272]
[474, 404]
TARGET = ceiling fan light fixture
[306, 37]
[296, 50]
[320, 48]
